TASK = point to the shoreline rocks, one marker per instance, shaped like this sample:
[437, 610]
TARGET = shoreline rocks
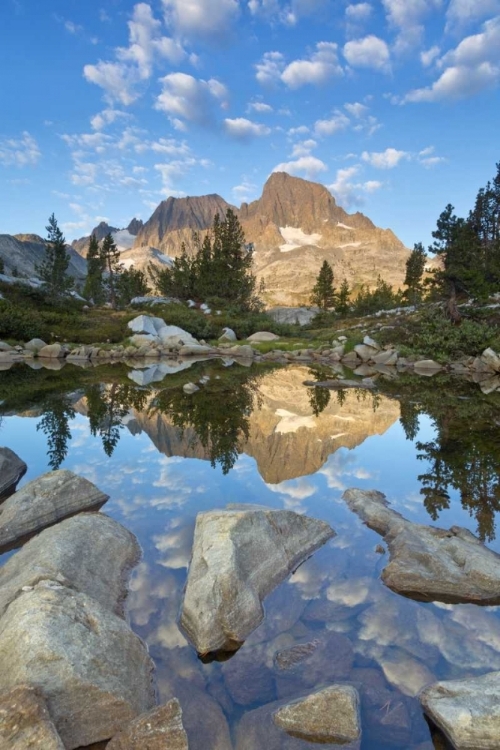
[12, 469]
[240, 556]
[428, 563]
[158, 729]
[25, 721]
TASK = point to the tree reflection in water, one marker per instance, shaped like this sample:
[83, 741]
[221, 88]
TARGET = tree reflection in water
[58, 411]
[107, 405]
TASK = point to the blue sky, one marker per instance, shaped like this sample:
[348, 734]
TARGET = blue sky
[110, 106]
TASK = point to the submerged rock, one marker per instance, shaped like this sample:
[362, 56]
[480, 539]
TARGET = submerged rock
[240, 556]
[467, 711]
[158, 729]
[44, 501]
[428, 563]
[60, 629]
[330, 715]
[25, 721]
[12, 468]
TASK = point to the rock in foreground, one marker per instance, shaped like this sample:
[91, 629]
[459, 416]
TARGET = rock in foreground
[428, 563]
[330, 715]
[240, 556]
[44, 501]
[467, 711]
[12, 468]
[25, 721]
[159, 729]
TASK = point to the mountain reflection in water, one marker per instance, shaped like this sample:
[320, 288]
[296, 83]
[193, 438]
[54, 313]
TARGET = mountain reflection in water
[431, 446]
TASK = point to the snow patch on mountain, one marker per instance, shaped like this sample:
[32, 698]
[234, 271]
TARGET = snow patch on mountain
[343, 226]
[295, 237]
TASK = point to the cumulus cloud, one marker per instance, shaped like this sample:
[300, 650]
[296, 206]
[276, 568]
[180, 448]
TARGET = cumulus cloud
[121, 78]
[358, 11]
[106, 117]
[288, 13]
[462, 12]
[190, 98]
[261, 107]
[303, 148]
[356, 109]
[333, 125]
[270, 68]
[473, 66]
[209, 19]
[244, 130]
[428, 56]
[387, 159]
[245, 191]
[348, 189]
[309, 166]
[19, 152]
[320, 67]
[407, 16]
[369, 52]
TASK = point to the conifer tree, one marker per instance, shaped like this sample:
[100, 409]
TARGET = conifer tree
[342, 306]
[110, 256]
[94, 283]
[415, 266]
[323, 293]
[53, 269]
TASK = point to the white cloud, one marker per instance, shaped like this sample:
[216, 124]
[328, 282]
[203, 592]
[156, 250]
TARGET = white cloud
[270, 68]
[303, 148]
[320, 67]
[190, 98]
[309, 166]
[387, 159]
[211, 19]
[358, 12]
[369, 52]
[427, 57]
[470, 68]
[106, 117]
[356, 109]
[428, 158]
[462, 12]
[348, 190]
[72, 28]
[407, 16]
[245, 191]
[244, 130]
[19, 152]
[287, 13]
[134, 65]
[333, 125]
[300, 130]
[261, 107]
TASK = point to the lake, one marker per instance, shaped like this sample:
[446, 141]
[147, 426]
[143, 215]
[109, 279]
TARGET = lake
[257, 435]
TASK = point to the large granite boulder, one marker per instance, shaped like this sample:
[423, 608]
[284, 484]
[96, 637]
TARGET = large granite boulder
[61, 629]
[53, 351]
[467, 711]
[328, 715]
[429, 563]
[262, 336]
[44, 501]
[25, 722]
[228, 335]
[158, 729]
[12, 468]
[240, 556]
[144, 324]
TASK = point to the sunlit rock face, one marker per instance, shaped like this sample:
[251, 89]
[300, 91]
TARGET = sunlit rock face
[285, 437]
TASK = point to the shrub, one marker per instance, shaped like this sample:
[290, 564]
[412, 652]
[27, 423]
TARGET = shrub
[19, 324]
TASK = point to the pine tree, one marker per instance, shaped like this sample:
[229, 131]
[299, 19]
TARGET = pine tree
[131, 283]
[342, 306]
[415, 267]
[110, 256]
[53, 270]
[94, 283]
[323, 293]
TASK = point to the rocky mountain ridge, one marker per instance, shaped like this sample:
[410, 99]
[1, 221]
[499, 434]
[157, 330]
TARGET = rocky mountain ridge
[23, 253]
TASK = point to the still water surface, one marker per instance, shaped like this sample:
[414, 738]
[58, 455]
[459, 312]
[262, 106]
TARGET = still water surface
[259, 436]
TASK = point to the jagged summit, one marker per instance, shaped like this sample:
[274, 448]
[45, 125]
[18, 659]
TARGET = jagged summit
[135, 226]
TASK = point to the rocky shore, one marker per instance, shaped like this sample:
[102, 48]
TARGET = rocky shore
[152, 340]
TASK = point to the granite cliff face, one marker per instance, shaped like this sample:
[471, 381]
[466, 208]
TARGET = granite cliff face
[294, 227]
[23, 253]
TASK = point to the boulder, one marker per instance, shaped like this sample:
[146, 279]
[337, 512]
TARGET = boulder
[350, 359]
[158, 729]
[143, 324]
[91, 553]
[263, 336]
[190, 388]
[12, 468]
[365, 353]
[429, 563]
[388, 358]
[44, 501]
[61, 629]
[301, 316]
[370, 342]
[166, 333]
[52, 351]
[467, 711]
[35, 345]
[228, 335]
[194, 350]
[245, 351]
[25, 722]
[491, 360]
[93, 671]
[427, 365]
[141, 339]
[329, 715]
[240, 556]
[5, 347]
